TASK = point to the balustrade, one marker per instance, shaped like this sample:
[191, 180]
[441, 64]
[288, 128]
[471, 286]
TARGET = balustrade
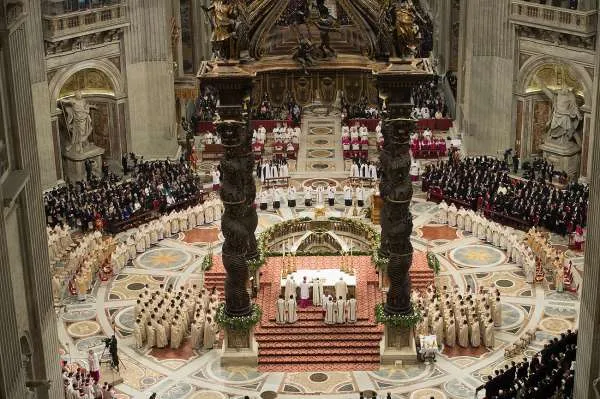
[64, 19]
[578, 22]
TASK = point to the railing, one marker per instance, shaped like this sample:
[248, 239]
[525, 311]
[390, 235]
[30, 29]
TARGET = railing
[66, 25]
[582, 23]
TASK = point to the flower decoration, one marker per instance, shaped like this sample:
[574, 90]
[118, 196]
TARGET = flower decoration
[398, 320]
[239, 323]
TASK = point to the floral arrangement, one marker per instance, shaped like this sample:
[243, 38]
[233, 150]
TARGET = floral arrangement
[407, 321]
[242, 323]
[433, 262]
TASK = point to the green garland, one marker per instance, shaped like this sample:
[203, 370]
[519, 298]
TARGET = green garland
[373, 236]
[433, 262]
[243, 323]
[207, 262]
[407, 321]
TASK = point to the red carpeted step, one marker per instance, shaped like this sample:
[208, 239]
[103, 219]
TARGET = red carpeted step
[283, 337]
[335, 358]
[319, 344]
[319, 329]
[320, 352]
[366, 366]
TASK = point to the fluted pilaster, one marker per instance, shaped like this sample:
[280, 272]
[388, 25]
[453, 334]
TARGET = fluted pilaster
[42, 319]
[588, 341]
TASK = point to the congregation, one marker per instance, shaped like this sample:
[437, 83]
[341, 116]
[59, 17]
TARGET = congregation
[548, 374]
[154, 185]
[484, 183]
[80, 383]
[165, 316]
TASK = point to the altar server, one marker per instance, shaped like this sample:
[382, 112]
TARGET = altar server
[280, 311]
[347, 196]
[304, 293]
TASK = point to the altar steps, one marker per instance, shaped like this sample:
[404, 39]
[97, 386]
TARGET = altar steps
[215, 278]
[310, 344]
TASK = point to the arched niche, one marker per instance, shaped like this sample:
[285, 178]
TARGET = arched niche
[534, 108]
[100, 82]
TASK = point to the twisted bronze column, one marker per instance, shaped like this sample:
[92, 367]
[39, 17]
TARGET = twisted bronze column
[239, 218]
[396, 221]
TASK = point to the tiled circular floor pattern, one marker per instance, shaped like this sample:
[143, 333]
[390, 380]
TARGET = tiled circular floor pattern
[190, 375]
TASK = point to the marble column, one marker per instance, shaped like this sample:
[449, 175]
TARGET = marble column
[485, 78]
[150, 79]
[587, 369]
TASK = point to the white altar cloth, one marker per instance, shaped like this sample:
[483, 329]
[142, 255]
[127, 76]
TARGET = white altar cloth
[330, 276]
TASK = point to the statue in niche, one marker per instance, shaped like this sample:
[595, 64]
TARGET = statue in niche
[79, 122]
[566, 116]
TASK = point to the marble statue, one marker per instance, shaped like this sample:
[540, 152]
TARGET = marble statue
[79, 122]
[566, 116]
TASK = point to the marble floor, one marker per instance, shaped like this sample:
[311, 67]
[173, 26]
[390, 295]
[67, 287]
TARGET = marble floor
[186, 373]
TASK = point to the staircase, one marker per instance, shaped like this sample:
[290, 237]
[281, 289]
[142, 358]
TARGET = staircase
[215, 277]
[310, 344]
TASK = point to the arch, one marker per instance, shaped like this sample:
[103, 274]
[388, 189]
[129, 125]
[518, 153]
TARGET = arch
[533, 64]
[62, 76]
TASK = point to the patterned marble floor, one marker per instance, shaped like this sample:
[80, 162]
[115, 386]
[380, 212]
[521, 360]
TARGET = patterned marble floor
[189, 374]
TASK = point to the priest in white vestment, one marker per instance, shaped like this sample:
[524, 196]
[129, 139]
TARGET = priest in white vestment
[351, 306]
[290, 287]
[330, 308]
[292, 314]
[341, 289]
[280, 310]
[317, 292]
[340, 311]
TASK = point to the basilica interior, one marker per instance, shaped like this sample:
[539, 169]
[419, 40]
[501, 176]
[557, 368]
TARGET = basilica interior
[334, 199]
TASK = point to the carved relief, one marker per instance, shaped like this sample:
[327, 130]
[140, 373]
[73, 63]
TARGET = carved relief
[352, 89]
[87, 80]
[303, 90]
[14, 10]
[276, 88]
[541, 116]
[327, 90]
[83, 42]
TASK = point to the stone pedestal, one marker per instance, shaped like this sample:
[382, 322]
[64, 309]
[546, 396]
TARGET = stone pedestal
[74, 163]
[398, 344]
[239, 348]
[565, 157]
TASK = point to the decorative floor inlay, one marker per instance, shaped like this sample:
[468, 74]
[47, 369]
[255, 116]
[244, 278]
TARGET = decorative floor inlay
[477, 256]
[189, 374]
[164, 259]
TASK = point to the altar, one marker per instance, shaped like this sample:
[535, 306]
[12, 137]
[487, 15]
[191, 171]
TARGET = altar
[328, 276]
